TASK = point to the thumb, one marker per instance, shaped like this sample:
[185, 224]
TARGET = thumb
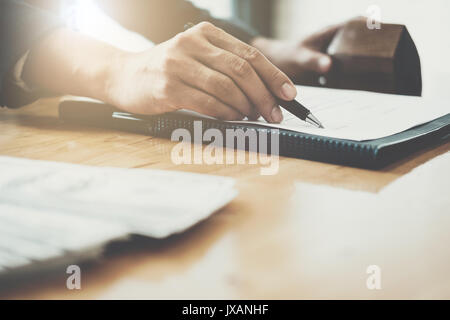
[312, 60]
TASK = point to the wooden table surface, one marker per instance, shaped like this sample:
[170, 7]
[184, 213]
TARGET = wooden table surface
[310, 231]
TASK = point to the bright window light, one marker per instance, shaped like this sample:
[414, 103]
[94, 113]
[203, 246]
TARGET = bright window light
[218, 8]
[86, 17]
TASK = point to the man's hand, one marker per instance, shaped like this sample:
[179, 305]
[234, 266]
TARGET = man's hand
[203, 69]
[298, 58]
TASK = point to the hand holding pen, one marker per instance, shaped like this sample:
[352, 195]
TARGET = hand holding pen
[288, 91]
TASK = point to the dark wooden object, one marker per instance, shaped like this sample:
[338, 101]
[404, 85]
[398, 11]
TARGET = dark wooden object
[381, 60]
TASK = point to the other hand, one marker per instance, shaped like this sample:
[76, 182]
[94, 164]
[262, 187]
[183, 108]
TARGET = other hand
[298, 58]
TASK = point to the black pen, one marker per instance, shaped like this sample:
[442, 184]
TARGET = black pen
[300, 111]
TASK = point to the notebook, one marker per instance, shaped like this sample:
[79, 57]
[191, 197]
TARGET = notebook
[362, 129]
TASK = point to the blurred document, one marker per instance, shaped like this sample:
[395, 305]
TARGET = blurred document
[152, 203]
[360, 115]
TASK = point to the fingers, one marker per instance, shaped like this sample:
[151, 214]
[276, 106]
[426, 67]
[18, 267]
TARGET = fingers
[217, 85]
[196, 100]
[321, 39]
[310, 56]
[245, 78]
[278, 83]
[312, 60]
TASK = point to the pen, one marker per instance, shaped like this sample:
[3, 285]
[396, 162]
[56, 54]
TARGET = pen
[300, 111]
[294, 107]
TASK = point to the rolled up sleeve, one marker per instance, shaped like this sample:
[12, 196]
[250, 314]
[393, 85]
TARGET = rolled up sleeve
[21, 27]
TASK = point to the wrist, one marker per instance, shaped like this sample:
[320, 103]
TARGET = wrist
[57, 65]
[108, 76]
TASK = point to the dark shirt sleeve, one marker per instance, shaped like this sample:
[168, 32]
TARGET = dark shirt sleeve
[160, 20]
[21, 27]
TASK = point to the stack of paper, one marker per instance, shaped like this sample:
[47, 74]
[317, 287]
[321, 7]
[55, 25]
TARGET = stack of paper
[147, 202]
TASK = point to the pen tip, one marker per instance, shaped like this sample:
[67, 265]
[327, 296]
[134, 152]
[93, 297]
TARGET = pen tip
[314, 121]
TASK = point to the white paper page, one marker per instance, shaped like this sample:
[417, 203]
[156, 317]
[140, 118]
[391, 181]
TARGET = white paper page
[153, 203]
[360, 115]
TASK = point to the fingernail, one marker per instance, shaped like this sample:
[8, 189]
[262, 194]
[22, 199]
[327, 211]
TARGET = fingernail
[276, 115]
[289, 91]
[324, 63]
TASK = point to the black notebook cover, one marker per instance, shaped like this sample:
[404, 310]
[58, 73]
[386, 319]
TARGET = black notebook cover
[373, 154]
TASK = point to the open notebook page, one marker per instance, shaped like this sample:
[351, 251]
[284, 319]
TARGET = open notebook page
[360, 115]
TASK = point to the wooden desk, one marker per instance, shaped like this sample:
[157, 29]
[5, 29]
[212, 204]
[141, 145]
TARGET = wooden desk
[308, 232]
